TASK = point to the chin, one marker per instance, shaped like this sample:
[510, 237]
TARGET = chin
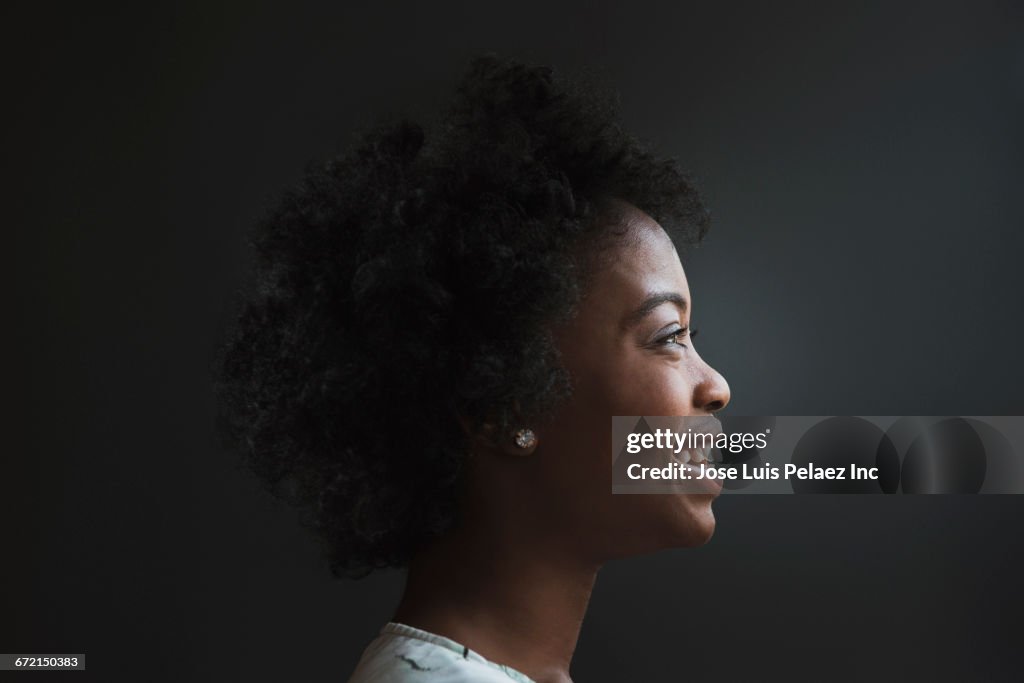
[696, 522]
[665, 522]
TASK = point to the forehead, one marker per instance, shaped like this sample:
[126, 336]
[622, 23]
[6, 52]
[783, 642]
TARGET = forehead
[640, 261]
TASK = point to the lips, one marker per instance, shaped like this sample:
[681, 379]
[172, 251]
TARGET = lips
[690, 461]
[698, 456]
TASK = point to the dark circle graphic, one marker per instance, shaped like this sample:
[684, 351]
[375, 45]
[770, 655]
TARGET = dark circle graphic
[1004, 471]
[844, 442]
[949, 456]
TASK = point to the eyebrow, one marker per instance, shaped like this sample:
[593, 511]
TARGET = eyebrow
[652, 302]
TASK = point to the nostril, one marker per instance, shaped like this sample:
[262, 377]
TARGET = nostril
[714, 406]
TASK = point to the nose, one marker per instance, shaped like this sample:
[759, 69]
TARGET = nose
[712, 391]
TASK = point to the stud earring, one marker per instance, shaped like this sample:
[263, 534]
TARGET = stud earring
[525, 438]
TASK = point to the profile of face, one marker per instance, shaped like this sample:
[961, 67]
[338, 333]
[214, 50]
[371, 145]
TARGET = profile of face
[628, 352]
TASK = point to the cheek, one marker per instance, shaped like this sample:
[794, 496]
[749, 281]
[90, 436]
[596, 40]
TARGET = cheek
[653, 387]
[581, 428]
[579, 436]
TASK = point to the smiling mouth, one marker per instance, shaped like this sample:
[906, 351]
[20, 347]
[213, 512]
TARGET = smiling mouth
[698, 456]
[690, 461]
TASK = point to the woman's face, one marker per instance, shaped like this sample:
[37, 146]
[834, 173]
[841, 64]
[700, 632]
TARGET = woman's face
[628, 353]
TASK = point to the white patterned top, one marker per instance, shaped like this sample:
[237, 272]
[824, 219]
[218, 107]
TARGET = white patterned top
[403, 654]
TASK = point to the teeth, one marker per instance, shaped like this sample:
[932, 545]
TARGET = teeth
[684, 457]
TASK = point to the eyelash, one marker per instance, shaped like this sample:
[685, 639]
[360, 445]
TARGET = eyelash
[681, 332]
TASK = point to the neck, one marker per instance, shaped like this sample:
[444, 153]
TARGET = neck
[515, 603]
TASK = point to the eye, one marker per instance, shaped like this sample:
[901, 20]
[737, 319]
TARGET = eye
[677, 336]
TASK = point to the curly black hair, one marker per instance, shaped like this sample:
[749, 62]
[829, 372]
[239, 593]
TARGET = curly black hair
[406, 289]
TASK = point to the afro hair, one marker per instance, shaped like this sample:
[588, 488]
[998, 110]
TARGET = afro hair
[406, 289]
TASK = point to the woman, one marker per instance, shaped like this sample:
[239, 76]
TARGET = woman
[444, 327]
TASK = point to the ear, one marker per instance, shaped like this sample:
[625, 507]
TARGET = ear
[521, 442]
[518, 442]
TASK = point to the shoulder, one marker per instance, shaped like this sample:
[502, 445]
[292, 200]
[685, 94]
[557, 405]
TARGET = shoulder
[402, 654]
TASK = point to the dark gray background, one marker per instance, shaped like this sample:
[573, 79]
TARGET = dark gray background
[863, 163]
